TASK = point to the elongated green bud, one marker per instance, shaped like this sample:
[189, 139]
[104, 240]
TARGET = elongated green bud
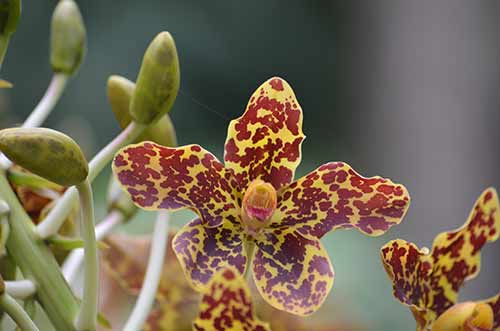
[68, 38]
[46, 153]
[10, 11]
[157, 82]
[120, 91]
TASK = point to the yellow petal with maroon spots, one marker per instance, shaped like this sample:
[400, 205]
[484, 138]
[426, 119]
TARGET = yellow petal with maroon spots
[409, 269]
[265, 142]
[158, 177]
[202, 251]
[456, 254]
[334, 196]
[292, 273]
[227, 305]
[494, 302]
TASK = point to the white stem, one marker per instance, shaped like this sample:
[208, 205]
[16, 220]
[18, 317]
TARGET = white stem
[87, 317]
[146, 298]
[56, 217]
[73, 262]
[20, 289]
[43, 109]
[47, 103]
[17, 313]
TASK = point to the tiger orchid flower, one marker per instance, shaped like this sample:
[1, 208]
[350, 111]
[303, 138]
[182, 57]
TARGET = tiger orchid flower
[428, 281]
[251, 214]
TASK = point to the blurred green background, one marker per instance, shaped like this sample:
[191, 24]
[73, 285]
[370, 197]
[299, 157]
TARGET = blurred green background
[407, 90]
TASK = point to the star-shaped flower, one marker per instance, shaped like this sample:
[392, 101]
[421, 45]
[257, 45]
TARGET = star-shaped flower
[428, 282]
[251, 201]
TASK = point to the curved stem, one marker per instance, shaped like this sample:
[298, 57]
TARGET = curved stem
[54, 220]
[17, 313]
[73, 262]
[87, 317]
[20, 289]
[48, 101]
[153, 274]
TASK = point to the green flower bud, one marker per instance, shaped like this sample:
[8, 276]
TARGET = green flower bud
[10, 11]
[120, 91]
[46, 153]
[67, 42]
[158, 80]
[119, 200]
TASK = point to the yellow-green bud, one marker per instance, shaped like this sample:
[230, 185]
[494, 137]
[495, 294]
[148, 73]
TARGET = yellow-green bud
[120, 91]
[119, 200]
[158, 81]
[67, 42]
[46, 153]
[10, 10]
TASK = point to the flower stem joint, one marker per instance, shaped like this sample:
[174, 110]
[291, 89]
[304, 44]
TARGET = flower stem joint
[259, 204]
[68, 38]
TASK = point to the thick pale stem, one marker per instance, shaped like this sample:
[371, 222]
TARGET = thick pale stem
[87, 317]
[48, 101]
[17, 313]
[20, 289]
[73, 262]
[54, 220]
[146, 298]
[37, 262]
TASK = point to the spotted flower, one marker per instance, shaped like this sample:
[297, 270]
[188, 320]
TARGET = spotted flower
[428, 282]
[250, 209]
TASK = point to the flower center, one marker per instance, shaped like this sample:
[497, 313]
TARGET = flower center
[466, 316]
[259, 203]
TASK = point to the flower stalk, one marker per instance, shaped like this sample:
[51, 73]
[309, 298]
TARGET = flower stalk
[87, 317]
[48, 101]
[146, 297]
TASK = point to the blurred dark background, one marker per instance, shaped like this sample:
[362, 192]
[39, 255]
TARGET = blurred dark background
[403, 89]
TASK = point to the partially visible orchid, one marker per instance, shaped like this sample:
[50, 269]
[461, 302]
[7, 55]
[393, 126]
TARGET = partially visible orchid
[251, 201]
[428, 282]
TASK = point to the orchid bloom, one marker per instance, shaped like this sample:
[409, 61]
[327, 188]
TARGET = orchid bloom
[428, 282]
[251, 201]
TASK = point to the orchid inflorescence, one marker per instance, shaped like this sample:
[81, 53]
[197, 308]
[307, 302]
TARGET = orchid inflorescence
[250, 260]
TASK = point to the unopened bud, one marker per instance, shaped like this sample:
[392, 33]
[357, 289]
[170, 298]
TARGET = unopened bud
[10, 10]
[466, 316]
[259, 204]
[67, 43]
[47, 153]
[119, 200]
[158, 80]
[120, 91]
